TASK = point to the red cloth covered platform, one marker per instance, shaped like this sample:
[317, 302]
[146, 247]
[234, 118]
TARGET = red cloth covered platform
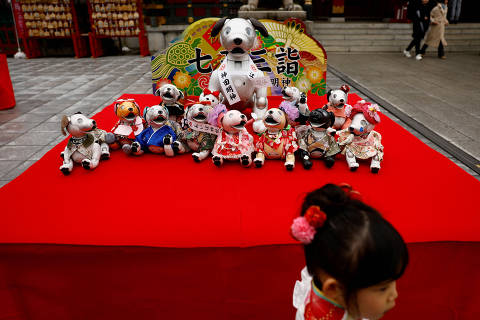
[193, 240]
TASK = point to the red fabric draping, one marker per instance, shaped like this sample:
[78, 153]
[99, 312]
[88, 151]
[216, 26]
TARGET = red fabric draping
[40, 282]
[7, 97]
[153, 200]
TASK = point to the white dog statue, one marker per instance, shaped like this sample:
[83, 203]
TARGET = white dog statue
[170, 96]
[83, 147]
[239, 80]
[360, 140]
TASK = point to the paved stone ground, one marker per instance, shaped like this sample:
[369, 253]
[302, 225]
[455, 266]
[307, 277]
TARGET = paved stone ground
[443, 95]
[47, 88]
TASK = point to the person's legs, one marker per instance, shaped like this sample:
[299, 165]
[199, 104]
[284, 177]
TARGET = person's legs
[458, 5]
[424, 48]
[441, 51]
[411, 45]
[451, 10]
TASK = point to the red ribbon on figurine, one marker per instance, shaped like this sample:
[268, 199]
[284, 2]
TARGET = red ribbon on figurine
[215, 93]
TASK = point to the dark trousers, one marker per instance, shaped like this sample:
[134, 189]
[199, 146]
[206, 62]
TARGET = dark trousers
[441, 51]
[415, 42]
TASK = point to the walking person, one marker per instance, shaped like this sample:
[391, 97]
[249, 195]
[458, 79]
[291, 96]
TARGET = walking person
[436, 34]
[419, 13]
[454, 10]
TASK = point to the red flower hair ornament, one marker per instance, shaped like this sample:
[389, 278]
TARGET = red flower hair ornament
[304, 228]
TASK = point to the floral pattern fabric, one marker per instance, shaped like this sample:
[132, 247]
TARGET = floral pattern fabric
[286, 140]
[233, 146]
[363, 147]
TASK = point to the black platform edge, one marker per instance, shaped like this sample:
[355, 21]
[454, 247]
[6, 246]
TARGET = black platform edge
[450, 148]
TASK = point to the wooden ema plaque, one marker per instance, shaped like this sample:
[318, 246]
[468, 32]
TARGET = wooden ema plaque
[47, 19]
[116, 18]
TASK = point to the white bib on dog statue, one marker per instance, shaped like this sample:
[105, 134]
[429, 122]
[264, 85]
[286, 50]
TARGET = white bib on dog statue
[126, 129]
[229, 86]
[203, 127]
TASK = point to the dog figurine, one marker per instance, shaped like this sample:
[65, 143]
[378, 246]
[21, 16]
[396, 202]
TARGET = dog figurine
[360, 140]
[299, 99]
[211, 98]
[337, 102]
[233, 141]
[128, 126]
[170, 99]
[238, 78]
[198, 136]
[318, 141]
[160, 134]
[82, 147]
[279, 141]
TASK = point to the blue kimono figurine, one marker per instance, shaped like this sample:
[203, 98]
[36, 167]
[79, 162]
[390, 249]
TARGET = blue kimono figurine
[159, 136]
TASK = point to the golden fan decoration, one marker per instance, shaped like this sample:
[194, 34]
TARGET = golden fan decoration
[292, 34]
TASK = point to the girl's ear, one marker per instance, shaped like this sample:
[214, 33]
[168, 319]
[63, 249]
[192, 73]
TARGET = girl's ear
[333, 290]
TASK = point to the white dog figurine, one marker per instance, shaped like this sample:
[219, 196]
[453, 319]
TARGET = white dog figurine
[233, 142]
[159, 135]
[210, 97]
[170, 96]
[337, 103]
[299, 99]
[198, 135]
[279, 141]
[82, 147]
[239, 80]
[360, 140]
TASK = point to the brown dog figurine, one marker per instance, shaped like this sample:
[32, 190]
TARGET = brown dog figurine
[129, 125]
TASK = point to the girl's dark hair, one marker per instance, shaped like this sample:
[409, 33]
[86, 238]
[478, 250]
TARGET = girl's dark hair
[356, 245]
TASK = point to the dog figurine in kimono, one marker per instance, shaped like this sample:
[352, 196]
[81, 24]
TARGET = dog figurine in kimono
[233, 141]
[160, 134]
[199, 136]
[279, 141]
[83, 146]
[171, 97]
[317, 140]
[299, 99]
[337, 102]
[211, 98]
[238, 79]
[360, 140]
[129, 124]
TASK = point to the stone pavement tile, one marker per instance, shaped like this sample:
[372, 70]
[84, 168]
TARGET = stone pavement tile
[31, 117]
[7, 165]
[38, 155]
[57, 140]
[7, 137]
[12, 174]
[34, 139]
[5, 117]
[47, 127]
[18, 152]
[56, 118]
[470, 146]
[17, 126]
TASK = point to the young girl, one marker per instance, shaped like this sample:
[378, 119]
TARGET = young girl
[353, 257]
